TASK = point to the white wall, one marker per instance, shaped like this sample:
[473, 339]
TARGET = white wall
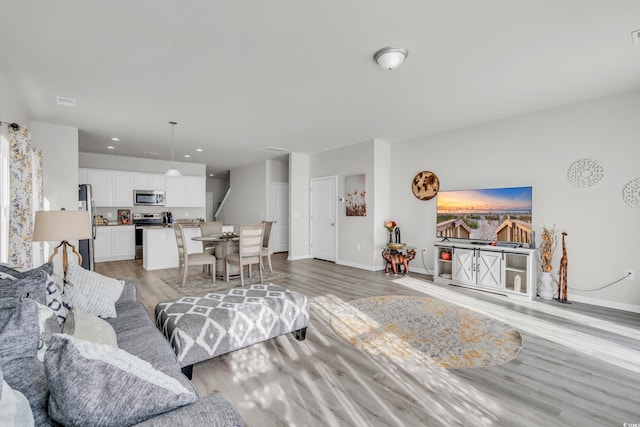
[537, 149]
[299, 165]
[246, 203]
[59, 145]
[358, 242]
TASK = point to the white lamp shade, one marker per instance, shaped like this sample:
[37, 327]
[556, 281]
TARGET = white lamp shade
[390, 57]
[61, 225]
[173, 172]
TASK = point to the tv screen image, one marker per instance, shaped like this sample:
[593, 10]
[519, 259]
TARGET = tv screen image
[494, 214]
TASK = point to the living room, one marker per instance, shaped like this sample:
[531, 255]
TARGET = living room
[522, 144]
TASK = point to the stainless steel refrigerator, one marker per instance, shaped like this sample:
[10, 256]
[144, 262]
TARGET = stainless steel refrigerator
[85, 202]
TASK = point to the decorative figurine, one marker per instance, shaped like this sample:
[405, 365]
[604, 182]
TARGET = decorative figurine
[562, 274]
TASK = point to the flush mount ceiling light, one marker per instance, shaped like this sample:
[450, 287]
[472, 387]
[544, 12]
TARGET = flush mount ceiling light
[390, 57]
[173, 171]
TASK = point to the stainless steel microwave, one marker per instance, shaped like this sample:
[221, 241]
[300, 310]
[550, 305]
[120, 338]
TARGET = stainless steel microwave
[148, 198]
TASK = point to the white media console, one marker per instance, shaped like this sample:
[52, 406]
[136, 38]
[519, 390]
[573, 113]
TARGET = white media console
[502, 269]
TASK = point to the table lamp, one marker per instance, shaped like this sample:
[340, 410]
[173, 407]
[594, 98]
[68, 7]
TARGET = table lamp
[62, 225]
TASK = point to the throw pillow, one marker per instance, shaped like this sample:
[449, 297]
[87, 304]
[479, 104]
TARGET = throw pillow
[54, 296]
[124, 388]
[32, 285]
[18, 273]
[88, 327]
[92, 292]
[14, 406]
[19, 337]
[49, 325]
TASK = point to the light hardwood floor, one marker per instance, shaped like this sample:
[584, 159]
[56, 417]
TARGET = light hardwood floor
[580, 364]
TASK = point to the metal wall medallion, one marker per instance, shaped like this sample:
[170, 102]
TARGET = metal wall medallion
[585, 173]
[425, 185]
[631, 193]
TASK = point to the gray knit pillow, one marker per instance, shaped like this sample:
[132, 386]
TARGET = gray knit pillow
[124, 389]
[14, 406]
[32, 285]
[92, 292]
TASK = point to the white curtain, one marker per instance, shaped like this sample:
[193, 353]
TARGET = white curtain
[25, 196]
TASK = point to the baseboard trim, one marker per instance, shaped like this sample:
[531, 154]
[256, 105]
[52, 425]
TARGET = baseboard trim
[354, 265]
[605, 303]
[298, 257]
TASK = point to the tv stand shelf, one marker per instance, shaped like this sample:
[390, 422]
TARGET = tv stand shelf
[506, 269]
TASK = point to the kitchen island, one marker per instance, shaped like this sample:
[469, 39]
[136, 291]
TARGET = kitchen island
[160, 249]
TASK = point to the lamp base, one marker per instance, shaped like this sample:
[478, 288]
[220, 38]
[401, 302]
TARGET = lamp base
[65, 258]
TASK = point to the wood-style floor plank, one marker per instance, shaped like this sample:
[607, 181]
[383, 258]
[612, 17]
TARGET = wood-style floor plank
[324, 381]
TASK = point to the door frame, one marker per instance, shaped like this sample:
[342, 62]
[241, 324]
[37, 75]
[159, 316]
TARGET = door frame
[274, 216]
[335, 201]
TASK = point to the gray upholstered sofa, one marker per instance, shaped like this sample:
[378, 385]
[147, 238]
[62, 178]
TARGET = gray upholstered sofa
[136, 334]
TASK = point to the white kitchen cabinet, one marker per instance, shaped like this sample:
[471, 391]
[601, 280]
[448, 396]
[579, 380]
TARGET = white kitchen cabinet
[101, 184]
[115, 243]
[160, 249]
[122, 189]
[102, 244]
[186, 191]
[148, 181]
[196, 191]
[176, 193]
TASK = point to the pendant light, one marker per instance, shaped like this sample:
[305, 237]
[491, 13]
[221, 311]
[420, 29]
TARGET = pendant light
[173, 171]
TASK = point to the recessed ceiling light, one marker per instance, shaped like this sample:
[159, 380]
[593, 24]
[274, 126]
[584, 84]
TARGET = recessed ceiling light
[187, 155]
[65, 102]
[199, 150]
[276, 149]
[115, 139]
[110, 147]
[212, 174]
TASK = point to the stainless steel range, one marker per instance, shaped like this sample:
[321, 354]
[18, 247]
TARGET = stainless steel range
[141, 220]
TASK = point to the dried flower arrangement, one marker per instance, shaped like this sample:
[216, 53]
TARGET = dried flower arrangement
[547, 247]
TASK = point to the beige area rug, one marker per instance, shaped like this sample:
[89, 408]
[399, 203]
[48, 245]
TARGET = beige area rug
[425, 330]
[197, 282]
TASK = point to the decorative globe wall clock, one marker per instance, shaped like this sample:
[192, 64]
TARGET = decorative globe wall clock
[425, 185]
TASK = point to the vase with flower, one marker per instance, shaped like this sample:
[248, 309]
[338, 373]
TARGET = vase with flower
[390, 226]
[546, 289]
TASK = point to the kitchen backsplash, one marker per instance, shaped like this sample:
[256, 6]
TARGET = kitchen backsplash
[111, 214]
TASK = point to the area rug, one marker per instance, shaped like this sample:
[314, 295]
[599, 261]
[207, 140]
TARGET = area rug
[425, 330]
[199, 283]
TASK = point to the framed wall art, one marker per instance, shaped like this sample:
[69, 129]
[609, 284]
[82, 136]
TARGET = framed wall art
[356, 198]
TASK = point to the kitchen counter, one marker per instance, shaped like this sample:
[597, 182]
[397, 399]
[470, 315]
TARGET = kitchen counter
[160, 249]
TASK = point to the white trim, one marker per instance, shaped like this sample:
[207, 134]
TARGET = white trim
[605, 303]
[299, 257]
[4, 195]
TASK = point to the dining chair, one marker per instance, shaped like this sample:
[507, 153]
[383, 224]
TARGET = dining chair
[249, 251]
[266, 237]
[185, 259]
[210, 228]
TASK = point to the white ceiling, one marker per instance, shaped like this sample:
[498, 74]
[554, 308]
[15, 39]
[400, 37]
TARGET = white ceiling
[239, 76]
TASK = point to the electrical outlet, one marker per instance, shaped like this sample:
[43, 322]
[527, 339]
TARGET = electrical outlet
[630, 275]
[109, 215]
[424, 250]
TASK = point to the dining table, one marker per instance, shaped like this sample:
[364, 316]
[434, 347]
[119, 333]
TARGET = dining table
[223, 245]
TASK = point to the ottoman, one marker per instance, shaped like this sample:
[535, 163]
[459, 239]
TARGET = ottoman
[205, 326]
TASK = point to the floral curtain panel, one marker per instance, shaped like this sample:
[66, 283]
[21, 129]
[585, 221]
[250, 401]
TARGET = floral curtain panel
[25, 196]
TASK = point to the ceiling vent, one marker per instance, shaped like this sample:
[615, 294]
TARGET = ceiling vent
[275, 150]
[151, 153]
[65, 102]
[636, 37]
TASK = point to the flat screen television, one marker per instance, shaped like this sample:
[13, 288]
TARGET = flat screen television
[487, 215]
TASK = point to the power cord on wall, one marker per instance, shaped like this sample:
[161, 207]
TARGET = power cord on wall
[592, 290]
[423, 263]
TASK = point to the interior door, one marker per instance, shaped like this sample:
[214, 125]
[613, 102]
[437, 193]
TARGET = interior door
[280, 214]
[323, 218]
[464, 265]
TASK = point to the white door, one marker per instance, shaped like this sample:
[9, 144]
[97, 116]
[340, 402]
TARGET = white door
[280, 215]
[323, 218]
